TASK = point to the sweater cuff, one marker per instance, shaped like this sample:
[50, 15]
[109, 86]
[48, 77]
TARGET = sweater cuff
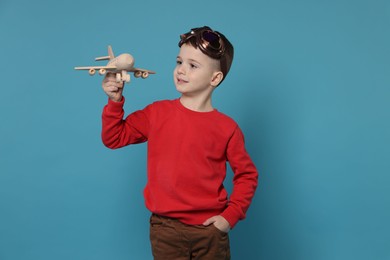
[231, 215]
[115, 107]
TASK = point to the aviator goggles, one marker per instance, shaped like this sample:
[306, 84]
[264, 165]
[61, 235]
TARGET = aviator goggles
[207, 40]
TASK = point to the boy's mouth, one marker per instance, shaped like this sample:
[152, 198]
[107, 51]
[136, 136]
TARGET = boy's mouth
[181, 81]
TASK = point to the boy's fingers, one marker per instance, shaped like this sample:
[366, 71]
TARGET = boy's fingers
[112, 89]
[109, 82]
[109, 76]
[209, 221]
[109, 79]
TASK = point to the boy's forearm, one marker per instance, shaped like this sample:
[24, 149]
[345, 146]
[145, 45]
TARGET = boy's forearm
[112, 123]
[118, 132]
[245, 179]
[244, 187]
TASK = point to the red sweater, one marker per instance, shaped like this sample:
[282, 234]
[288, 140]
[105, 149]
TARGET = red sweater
[187, 155]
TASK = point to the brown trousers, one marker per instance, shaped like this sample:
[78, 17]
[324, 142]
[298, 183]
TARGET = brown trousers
[173, 240]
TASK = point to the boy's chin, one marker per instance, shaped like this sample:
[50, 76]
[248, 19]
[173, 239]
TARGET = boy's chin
[180, 89]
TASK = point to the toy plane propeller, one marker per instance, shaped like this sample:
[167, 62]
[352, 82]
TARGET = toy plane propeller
[119, 65]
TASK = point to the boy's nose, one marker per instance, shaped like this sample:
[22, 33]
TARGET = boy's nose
[180, 70]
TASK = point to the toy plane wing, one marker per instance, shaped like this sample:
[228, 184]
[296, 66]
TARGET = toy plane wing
[141, 70]
[96, 68]
[102, 69]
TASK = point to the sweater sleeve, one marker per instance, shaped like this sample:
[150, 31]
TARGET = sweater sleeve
[244, 181]
[118, 132]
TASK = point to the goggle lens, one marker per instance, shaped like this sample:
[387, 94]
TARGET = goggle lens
[208, 41]
[212, 38]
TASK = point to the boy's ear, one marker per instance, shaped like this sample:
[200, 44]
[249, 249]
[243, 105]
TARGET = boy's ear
[217, 78]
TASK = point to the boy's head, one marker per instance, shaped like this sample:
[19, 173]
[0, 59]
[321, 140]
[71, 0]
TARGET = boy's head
[213, 44]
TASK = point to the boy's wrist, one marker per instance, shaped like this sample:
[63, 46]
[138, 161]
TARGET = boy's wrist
[115, 106]
[231, 216]
[117, 100]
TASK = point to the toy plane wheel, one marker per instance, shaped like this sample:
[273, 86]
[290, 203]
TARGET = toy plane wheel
[145, 74]
[138, 74]
[127, 78]
[118, 77]
[102, 71]
[92, 72]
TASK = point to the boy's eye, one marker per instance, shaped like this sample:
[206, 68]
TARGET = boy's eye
[179, 62]
[193, 66]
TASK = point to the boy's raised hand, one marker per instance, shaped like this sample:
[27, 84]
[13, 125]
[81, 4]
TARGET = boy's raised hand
[112, 88]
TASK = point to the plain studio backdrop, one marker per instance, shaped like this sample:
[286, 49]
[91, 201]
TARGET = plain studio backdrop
[309, 86]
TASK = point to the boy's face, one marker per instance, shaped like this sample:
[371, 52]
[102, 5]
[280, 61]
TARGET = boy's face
[195, 72]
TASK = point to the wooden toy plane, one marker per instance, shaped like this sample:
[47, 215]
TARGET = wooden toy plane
[119, 65]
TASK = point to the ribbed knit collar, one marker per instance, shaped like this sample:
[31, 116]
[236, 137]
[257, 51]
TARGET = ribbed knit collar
[189, 111]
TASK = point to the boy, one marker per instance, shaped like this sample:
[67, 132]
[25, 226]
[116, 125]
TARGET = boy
[189, 143]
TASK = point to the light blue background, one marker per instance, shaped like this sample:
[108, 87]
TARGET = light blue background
[309, 87]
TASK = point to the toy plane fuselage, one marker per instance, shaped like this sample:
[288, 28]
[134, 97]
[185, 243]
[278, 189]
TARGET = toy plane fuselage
[119, 65]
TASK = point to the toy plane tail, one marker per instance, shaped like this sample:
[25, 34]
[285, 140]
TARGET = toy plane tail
[110, 55]
[110, 52]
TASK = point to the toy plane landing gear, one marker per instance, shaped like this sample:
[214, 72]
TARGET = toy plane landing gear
[119, 65]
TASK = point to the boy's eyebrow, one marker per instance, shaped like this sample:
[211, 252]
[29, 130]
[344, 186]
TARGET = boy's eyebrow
[191, 60]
